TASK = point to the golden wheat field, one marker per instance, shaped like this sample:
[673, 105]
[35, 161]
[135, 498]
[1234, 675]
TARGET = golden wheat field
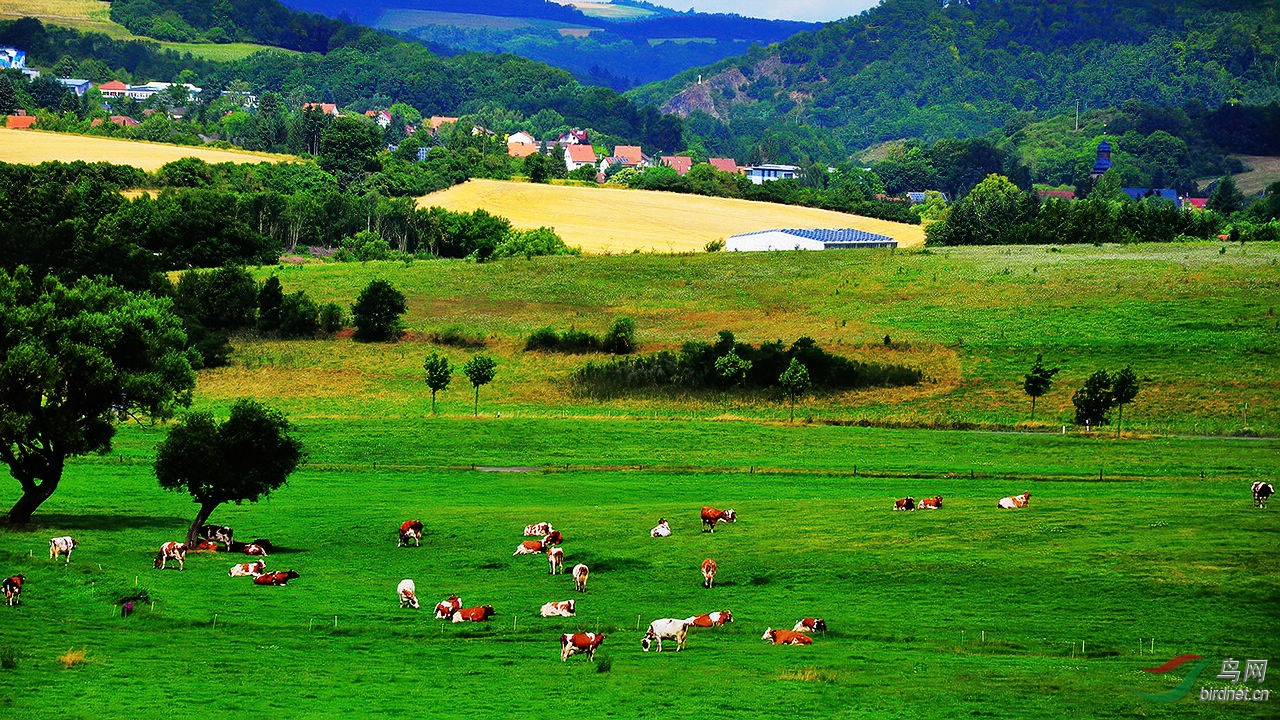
[615, 220]
[32, 146]
[87, 15]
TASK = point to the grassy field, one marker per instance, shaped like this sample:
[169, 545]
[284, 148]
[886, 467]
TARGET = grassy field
[1263, 172]
[613, 220]
[400, 19]
[608, 10]
[33, 146]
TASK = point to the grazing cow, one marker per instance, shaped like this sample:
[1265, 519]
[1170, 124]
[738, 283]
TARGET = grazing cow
[555, 558]
[906, 503]
[574, 643]
[446, 608]
[665, 629]
[474, 614]
[661, 530]
[410, 530]
[279, 577]
[580, 574]
[1261, 492]
[810, 625]
[708, 573]
[1017, 501]
[218, 533]
[932, 503]
[786, 637]
[711, 516]
[408, 593]
[171, 551]
[553, 538]
[713, 619]
[12, 587]
[253, 569]
[538, 529]
[62, 546]
[529, 547]
[565, 608]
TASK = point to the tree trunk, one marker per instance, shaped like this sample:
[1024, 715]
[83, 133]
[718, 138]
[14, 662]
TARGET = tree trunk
[433, 401]
[475, 411]
[793, 408]
[33, 496]
[1120, 420]
[1033, 407]
[193, 532]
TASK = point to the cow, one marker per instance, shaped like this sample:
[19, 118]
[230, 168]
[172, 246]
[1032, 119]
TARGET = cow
[408, 594]
[580, 574]
[474, 614]
[538, 529]
[907, 503]
[446, 608]
[709, 568]
[565, 608]
[555, 559]
[253, 569]
[786, 637]
[529, 547]
[410, 530]
[218, 533]
[932, 503]
[1017, 501]
[255, 549]
[1261, 492]
[206, 546]
[713, 619]
[265, 544]
[62, 546]
[810, 625]
[661, 530]
[574, 643]
[279, 577]
[553, 538]
[171, 551]
[12, 587]
[711, 516]
[665, 629]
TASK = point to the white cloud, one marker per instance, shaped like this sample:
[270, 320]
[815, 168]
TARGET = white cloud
[810, 10]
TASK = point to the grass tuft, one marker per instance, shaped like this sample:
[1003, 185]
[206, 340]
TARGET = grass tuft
[73, 657]
[9, 657]
[604, 664]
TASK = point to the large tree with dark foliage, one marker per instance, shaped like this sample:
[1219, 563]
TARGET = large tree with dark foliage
[377, 312]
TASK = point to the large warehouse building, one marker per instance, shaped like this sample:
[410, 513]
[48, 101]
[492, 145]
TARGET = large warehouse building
[831, 239]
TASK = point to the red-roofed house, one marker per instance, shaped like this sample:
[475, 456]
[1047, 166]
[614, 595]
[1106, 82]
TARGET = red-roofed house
[113, 89]
[19, 122]
[728, 165]
[382, 117]
[1197, 203]
[679, 163]
[521, 150]
[1059, 194]
[324, 108]
[629, 155]
[576, 156]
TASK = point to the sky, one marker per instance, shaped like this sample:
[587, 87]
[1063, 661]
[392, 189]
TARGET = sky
[809, 10]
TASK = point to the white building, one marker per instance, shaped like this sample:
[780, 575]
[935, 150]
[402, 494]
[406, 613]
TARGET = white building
[760, 174]
[77, 85]
[819, 239]
[12, 58]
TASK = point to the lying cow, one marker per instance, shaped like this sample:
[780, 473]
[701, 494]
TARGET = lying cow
[712, 619]
[474, 614]
[553, 538]
[279, 577]
[1017, 501]
[171, 551]
[206, 546]
[529, 547]
[253, 569]
[810, 625]
[62, 546]
[580, 574]
[711, 516]
[538, 529]
[574, 643]
[555, 559]
[1261, 492]
[446, 608]
[932, 503]
[786, 637]
[410, 530]
[709, 568]
[662, 529]
[566, 608]
[906, 503]
[665, 629]
[408, 594]
[255, 549]
[12, 587]
[218, 533]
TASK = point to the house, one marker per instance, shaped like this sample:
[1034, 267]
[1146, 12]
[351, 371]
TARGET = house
[629, 156]
[243, 97]
[1195, 203]
[79, 86]
[11, 58]
[322, 108]
[574, 137]
[482, 130]
[818, 239]
[437, 121]
[19, 122]
[113, 89]
[521, 138]
[576, 156]
[147, 91]
[679, 163]
[1161, 193]
[916, 197]
[728, 165]
[382, 117]
[521, 150]
[121, 120]
[760, 174]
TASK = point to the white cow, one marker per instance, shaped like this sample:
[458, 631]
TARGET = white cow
[538, 529]
[661, 530]
[253, 569]
[555, 559]
[62, 546]
[171, 551]
[580, 574]
[1012, 503]
[559, 609]
[408, 593]
[666, 629]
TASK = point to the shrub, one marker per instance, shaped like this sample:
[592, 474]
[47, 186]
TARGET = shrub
[9, 657]
[363, 246]
[621, 338]
[604, 664]
[299, 316]
[714, 246]
[456, 337]
[332, 318]
[377, 312]
[530, 243]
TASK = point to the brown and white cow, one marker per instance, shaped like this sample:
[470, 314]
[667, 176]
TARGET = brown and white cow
[538, 529]
[279, 577]
[662, 529]
[565, 608]
[218, 533]
[1262, 491]
[62, 546]
[255, 549]
[171, 551]
[711, 516]
[665, 629]
[712, 619]
[446, 608]
[580, 575]
[253, 569]
[709, 568]
[408, 594]
[474, 614]
[410, 530]
[932, 503]
[529, 547]
[786, 637]
[579, 643]
[12, 587]
[1017, 501]
[906, 503]
[553, 538]
[555, 559]
[810, 625]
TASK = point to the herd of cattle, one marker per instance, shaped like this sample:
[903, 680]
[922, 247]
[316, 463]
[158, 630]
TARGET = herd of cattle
[451, 608]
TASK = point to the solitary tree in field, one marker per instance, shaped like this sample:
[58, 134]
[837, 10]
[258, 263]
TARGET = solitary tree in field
[733, 368]
[1038, 381]
[377, 312]
[1093, 400]
[439, 373]
[1124, 388]
[794, 381]
[74, 361]
[480, 371]
[244, 458]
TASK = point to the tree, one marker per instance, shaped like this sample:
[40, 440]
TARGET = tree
[245, 458]
[733, 367]
[299, 316]
[794, 381]
[480, 371]
[1038, 381]
[349, 148]
[1226, 198]
[1124, 388]
[377, 312]
[8, 95]
[621, 338]
[439, 374]
[270, 300]
[1093, 400]
[73, 362]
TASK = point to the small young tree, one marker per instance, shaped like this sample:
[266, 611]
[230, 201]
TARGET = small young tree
[480, 371]
[1124, 388]
[245, 458]
[1093, 400]
[794, 381]
[621, 338]
[270, 298]
[439, 373]
[377, 312]
[733, 368]
[1038, 381]
[332, 318]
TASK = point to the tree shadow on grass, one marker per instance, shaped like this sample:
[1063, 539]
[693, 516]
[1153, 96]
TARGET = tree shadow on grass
[65, 521]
